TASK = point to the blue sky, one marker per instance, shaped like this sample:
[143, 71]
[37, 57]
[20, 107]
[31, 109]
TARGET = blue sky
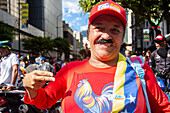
[74, 16]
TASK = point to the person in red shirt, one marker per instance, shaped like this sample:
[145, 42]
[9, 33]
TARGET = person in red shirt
[105, 82]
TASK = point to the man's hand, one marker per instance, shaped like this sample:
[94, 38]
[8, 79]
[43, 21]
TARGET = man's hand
[37, 79]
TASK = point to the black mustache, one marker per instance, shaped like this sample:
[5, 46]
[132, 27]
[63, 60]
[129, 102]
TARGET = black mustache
[105, 41]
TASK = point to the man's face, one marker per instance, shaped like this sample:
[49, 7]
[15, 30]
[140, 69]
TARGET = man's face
[3, 51]
[159, 44]
[105, 27]
[127, 53]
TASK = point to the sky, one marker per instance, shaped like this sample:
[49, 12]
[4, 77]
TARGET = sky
[74, 16]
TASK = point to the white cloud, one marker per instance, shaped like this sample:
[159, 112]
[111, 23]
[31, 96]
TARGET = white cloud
[84, 28]
[78, 18]
[72, 6]
[74, 21]
[78, 24]
[70, 24]
[68, 15]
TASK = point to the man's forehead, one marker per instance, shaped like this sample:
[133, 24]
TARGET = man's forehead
[100, 19]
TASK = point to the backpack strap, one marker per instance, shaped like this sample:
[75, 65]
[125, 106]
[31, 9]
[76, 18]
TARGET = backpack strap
[137, 63]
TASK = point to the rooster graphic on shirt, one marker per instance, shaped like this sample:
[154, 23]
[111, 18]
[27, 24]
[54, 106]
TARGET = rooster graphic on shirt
[92, 103]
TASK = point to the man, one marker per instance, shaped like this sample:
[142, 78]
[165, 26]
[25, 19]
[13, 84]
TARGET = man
[42, 60]
[128, 53]
[9, 66]
[22, 64]
[156, 61]
[105, 82]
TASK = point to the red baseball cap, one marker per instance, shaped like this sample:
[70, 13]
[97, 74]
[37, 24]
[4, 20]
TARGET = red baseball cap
[108, 7]
[160, 38]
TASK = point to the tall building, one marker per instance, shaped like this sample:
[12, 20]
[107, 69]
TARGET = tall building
[4, 5]
[9, 15]
[44, 20]
[78, 42]
[68, 33]
[47, 16]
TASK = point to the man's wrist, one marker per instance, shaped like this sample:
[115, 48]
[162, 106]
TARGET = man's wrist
[11, 85]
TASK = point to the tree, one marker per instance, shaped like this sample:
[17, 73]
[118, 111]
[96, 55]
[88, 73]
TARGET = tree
[6, 32]
[152, 10]
[38, 45]
[63, 45]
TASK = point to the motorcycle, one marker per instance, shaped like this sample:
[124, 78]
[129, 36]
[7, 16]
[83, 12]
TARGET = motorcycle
[159, 77]
[12, 101]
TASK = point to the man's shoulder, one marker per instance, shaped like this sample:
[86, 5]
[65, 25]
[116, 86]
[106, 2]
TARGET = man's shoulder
[77, 62]
[12, 55]
[154, 53]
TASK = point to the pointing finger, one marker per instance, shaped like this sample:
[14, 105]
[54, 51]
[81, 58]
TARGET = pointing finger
[44, 78]
[43, 73]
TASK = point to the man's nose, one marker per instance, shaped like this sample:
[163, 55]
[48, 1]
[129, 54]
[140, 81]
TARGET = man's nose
[105, 35]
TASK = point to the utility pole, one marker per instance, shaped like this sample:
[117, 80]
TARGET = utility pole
[19, 38]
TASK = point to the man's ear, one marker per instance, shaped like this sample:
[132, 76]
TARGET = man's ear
[165, 43]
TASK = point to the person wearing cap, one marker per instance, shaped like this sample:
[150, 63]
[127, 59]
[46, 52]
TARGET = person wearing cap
[128, 53]
[42, 60]
[9, 66]
[156, 61]
[105, 82]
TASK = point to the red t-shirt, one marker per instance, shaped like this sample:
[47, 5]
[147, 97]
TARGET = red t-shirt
[98, 81]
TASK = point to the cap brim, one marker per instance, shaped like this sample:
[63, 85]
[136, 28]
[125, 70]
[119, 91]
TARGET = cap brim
[5, 46]
[110, 12]
[158, 40]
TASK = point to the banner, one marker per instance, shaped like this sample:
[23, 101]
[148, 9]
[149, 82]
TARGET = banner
[146, 35]
[25, 15]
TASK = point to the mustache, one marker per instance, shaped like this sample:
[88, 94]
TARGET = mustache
[104, 41]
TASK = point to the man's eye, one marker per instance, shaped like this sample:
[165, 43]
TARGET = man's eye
[115, 30]
[99, 28]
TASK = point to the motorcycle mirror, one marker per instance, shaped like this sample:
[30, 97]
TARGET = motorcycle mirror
[162, 52]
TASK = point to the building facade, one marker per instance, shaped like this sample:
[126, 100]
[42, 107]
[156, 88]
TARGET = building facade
[47, 16]
[9, 11]
[45, 20]
[78, 42]
[68, 33]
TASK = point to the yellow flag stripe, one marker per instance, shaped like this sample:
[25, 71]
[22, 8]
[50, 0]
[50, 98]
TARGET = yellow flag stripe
[119, 81]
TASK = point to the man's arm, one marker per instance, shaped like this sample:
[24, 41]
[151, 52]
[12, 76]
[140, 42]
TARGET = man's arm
[14, 74]
[151, 60]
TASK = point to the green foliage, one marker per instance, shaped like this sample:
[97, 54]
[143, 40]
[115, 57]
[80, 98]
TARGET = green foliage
[148, 9]
[38, 45]
[88, 4]
[6, 32]
[62, 44]
[145, 9]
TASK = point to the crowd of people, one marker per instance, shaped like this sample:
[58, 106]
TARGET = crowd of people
[105, 82]
[14, 67]
[156, 61]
